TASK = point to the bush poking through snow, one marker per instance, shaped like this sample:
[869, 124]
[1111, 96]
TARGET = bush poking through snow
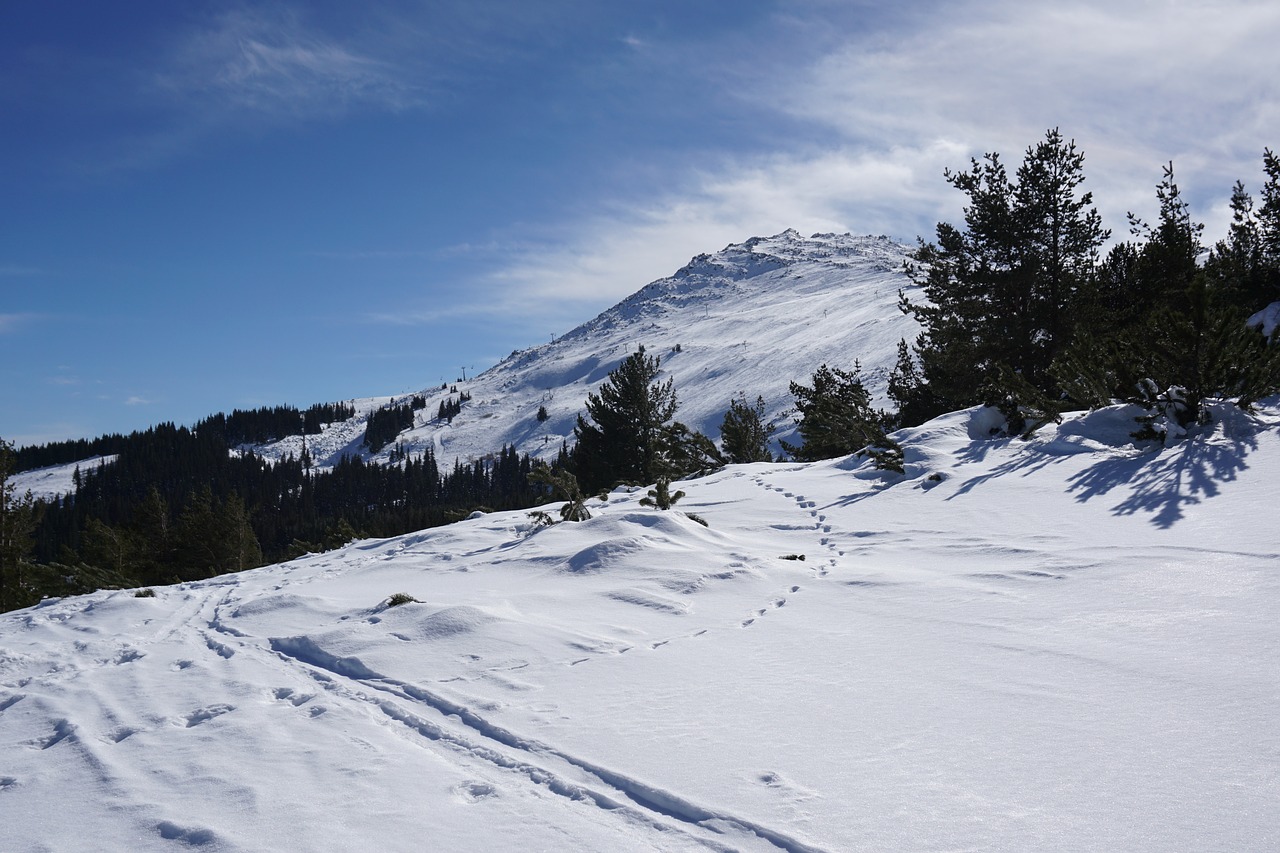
[145, 593]
[562, 485]
[401, 598]
[660, 497]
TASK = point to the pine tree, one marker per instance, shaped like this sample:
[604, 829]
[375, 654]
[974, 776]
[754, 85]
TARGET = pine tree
[621, 438]
[1190, 344]
[908, 390]
[836, 418]
[562, 484]
[1002, 291]
[17, 524]
[744, 434]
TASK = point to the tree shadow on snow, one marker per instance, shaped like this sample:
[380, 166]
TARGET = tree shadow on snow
[1162, 482]
[1166, 482]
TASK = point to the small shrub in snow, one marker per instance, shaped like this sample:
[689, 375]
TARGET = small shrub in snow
[562, 484]
[401, 598]
[145, 593]
[799, 557]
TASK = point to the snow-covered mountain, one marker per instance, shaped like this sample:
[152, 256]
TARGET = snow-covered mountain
[1062, 644]
[748, 319]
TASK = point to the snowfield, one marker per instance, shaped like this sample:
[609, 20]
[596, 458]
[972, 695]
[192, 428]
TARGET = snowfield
[1068, 643]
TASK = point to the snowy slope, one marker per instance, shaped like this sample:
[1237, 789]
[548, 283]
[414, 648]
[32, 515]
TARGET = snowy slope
[751, 318]
[1062, 644]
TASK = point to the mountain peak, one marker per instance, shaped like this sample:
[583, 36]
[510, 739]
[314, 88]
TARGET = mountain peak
[748, 319]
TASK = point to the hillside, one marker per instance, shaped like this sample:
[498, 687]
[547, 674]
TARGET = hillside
[750, 318]
[1067, 643]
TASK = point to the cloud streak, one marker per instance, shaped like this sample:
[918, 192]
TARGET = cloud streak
[1136, 83]
[275, 65]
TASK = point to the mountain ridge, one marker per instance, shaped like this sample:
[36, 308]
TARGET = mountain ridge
[748, 319]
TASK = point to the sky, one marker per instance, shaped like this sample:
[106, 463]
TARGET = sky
[210, 206]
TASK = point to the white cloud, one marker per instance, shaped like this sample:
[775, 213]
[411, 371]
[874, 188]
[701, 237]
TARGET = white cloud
[10, 323]
[1135, 83]
[135, 400]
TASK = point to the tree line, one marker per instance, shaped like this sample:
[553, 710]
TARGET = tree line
[177, 505]
[1022, 311]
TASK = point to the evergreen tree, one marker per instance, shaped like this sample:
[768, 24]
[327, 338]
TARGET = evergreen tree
[1003, 290]
[1190, 344]
[836, 418]
[562, 484]
[17, 525]
[621, 438]
[744, 435]
[908, 390]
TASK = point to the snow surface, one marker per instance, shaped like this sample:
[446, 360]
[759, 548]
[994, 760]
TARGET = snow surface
[55, 480]
[1068, 643]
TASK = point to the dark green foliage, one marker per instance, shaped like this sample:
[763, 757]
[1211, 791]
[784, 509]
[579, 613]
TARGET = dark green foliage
[661, 496]
[18, 518]
[1246, 265]
[683, 452]
[145, 593]
[621, 438]
[148, 519]
[542, 415]
[744, 435]
[386, 423]
[562, 484]
[909, 391]
[65, 452]
[1188, 342]
[401, 598]
[450, 408]
[1001, 291]
[836, 418]
[272, 423]
[1025, 407]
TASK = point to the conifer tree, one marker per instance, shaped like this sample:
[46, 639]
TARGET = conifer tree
[17, 524]
[836, 418]
[744, 434]
[621, 438]
[1002, 290]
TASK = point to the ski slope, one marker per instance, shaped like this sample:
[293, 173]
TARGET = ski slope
[1062, 644]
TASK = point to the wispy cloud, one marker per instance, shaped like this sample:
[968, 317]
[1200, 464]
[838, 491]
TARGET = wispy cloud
[135, 400]
[1136, 83]
[18, 271]
[10, 323]
[274, 64]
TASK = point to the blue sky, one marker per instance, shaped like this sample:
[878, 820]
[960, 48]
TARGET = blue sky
[210, 206]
